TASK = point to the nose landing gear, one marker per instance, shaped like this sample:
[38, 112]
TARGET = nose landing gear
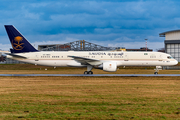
[157, 69]
[155, 73]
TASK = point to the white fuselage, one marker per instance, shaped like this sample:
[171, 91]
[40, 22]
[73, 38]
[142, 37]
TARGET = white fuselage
[60, 58]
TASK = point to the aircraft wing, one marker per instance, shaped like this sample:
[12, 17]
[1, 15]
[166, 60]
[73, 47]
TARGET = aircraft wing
[87, 61]
[17, 56]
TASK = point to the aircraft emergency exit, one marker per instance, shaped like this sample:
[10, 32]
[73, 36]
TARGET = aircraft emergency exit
[108, 61]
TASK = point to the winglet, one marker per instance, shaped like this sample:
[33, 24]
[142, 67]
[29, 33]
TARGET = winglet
[18, 41]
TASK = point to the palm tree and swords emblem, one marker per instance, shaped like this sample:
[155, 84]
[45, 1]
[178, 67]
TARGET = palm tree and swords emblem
[18, 45]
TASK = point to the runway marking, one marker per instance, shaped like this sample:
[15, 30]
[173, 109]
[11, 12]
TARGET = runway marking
[94, 75]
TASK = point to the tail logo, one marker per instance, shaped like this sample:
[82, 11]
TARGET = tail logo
[18, 44]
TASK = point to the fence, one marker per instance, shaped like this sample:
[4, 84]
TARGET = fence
[171, 68]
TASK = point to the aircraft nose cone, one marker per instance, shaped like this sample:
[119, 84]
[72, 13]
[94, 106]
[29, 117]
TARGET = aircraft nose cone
[176, 62]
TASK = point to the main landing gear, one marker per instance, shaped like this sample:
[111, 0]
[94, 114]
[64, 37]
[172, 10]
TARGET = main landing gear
[88, 72]
[89, 68]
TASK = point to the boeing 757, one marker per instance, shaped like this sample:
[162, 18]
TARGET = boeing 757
[23, 51]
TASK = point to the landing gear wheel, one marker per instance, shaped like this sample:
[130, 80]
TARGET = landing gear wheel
[90, 72]
[155, 73]
[86, 72]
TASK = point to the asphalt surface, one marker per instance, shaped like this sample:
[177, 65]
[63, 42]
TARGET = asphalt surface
[95, 75]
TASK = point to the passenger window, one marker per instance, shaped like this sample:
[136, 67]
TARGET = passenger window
[145, 53]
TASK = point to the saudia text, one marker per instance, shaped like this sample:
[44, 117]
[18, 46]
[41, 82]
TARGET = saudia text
[103, 53]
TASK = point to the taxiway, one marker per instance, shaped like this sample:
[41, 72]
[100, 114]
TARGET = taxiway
[95, 75]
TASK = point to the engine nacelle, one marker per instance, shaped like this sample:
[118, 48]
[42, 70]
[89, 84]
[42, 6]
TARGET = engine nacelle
[110, 66]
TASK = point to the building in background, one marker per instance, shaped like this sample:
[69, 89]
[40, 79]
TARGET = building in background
[83, 45]
[80, 45]
[172, 43]
[141, 49]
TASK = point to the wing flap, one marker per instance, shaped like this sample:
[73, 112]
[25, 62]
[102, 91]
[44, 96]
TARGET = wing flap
[86, 61]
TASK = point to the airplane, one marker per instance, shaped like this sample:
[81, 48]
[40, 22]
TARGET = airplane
[108, 61]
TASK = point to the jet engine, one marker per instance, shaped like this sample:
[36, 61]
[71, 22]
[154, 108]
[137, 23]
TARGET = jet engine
[110, 66]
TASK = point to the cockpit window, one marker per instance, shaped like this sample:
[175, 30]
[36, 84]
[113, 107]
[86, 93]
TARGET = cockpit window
[169, 57]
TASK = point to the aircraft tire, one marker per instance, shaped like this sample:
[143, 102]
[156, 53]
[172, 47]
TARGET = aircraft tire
[86, 72]
[155, 73]
[90, 72]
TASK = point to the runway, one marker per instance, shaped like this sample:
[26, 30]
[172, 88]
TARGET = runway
[94, 75]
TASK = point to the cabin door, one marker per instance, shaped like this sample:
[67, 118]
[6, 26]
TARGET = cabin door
[160, 58]
[126, 57]
[36, 57]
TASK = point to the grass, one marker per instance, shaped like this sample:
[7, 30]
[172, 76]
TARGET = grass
[90, 97]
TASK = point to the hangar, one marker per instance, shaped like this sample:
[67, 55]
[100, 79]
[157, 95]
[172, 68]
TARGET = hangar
[80, 45]
[172, 43]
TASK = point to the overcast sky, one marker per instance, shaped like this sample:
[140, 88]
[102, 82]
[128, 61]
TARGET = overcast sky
[113, 23]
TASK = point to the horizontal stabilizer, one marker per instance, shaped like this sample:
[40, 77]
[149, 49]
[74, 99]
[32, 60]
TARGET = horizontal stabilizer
[17, 56]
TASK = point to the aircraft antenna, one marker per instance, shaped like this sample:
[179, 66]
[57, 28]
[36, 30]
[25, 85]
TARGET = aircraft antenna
[146, 43]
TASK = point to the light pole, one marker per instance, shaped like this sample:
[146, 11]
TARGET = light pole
[146, 43]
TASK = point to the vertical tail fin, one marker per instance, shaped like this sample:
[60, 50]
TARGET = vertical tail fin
[18, 41]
